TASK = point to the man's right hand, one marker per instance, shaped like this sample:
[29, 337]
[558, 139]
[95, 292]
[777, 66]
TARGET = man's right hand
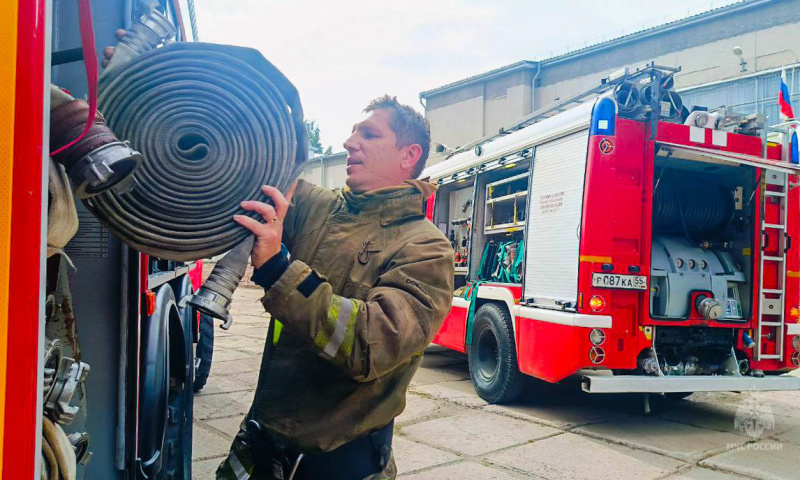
[268, 235]
[108, 52]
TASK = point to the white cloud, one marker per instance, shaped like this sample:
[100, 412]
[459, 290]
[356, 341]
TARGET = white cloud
[342, 54]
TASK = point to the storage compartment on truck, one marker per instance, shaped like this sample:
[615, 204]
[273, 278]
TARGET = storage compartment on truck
[498, 246]
[702, 240]
[453, 216]
[553, 222]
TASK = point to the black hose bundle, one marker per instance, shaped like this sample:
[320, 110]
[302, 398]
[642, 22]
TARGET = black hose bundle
[693, 208]
[214, 124]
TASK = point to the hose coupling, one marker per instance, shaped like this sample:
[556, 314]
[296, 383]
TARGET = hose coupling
[99, 161]
[214, 297]
[708, 307]
[151, 30]
[105, 167]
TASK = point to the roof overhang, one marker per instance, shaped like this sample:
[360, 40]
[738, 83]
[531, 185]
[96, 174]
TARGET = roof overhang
[480, 78]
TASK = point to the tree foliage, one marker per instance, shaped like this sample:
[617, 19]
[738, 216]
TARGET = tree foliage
[313, 134]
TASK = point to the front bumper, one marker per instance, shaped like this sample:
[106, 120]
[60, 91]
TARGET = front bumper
[593, 383]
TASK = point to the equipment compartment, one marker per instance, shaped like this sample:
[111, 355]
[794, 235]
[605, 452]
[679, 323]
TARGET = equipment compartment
[453, 216]
[702, 241]
[498, 247]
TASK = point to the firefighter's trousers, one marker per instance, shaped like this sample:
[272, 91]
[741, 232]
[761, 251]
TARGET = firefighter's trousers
[245, 461]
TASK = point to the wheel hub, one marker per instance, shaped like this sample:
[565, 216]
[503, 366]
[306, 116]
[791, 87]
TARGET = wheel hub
[488, 355]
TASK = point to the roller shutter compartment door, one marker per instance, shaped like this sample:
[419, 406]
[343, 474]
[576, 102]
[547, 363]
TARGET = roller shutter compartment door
[553, 222]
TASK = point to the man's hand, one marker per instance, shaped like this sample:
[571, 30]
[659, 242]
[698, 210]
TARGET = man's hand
[269, 234]
[108, 52]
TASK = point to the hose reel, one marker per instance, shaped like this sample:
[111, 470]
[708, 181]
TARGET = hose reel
[693, 207]
[635, 100]
[214, 124]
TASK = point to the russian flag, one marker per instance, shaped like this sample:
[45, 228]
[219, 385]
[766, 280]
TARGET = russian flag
[784, 103]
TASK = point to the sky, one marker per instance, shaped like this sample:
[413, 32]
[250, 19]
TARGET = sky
[342, 54]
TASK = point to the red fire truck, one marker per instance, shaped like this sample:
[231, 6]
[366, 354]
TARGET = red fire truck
[644, 245]
[96, 345]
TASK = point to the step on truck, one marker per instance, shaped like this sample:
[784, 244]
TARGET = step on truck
[619, 235]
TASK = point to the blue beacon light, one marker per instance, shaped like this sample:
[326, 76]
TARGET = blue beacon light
[604, 117]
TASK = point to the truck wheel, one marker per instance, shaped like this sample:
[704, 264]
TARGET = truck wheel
[180, 404]
[493, 356]
[204, 352]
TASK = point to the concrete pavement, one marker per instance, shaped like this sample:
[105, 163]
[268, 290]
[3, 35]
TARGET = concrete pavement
[448, 432]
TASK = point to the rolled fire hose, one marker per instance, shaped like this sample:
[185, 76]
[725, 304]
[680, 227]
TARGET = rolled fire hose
[214, 124]
[58, 453]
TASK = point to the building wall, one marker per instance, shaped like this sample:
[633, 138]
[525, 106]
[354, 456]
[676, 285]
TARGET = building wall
[462, 115]
[456, 117]
[769, 35]
[329, 171]
[506, 99]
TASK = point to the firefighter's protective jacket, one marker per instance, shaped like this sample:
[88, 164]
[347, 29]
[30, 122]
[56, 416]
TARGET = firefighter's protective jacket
[368, 287]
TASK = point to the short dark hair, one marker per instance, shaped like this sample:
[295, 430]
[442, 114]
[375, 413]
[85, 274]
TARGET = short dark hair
[408, 125]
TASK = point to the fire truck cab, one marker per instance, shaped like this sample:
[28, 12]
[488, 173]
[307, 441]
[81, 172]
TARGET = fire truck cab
[644, 245]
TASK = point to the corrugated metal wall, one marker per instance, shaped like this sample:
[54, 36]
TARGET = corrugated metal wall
[758, 93]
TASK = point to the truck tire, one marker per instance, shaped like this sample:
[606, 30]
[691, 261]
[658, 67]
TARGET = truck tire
[177, 462]
[492, 356]
[204, 352]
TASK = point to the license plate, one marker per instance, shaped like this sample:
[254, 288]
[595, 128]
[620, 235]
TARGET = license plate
[624, 282]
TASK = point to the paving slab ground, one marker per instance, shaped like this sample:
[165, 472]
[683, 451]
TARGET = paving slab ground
[767, 459]
[704, 474]
[475, 432]
[673, 439]
[574, 457]
[555, 432]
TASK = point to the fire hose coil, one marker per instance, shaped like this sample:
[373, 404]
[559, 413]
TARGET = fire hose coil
[214, 123]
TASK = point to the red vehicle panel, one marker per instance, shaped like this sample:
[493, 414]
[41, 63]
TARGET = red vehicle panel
[26, 247]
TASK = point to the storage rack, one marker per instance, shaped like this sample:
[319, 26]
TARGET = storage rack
[516, 200]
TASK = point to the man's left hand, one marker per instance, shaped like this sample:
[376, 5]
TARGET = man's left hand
[269, 234]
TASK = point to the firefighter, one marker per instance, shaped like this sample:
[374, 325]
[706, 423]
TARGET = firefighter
[360, 283]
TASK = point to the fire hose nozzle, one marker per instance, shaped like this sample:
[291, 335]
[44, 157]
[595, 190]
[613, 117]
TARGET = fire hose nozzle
[214, 297]
[147, 34]
[709, 307]
[211, 303]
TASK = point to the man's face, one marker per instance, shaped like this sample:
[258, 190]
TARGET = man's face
[373, 159]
